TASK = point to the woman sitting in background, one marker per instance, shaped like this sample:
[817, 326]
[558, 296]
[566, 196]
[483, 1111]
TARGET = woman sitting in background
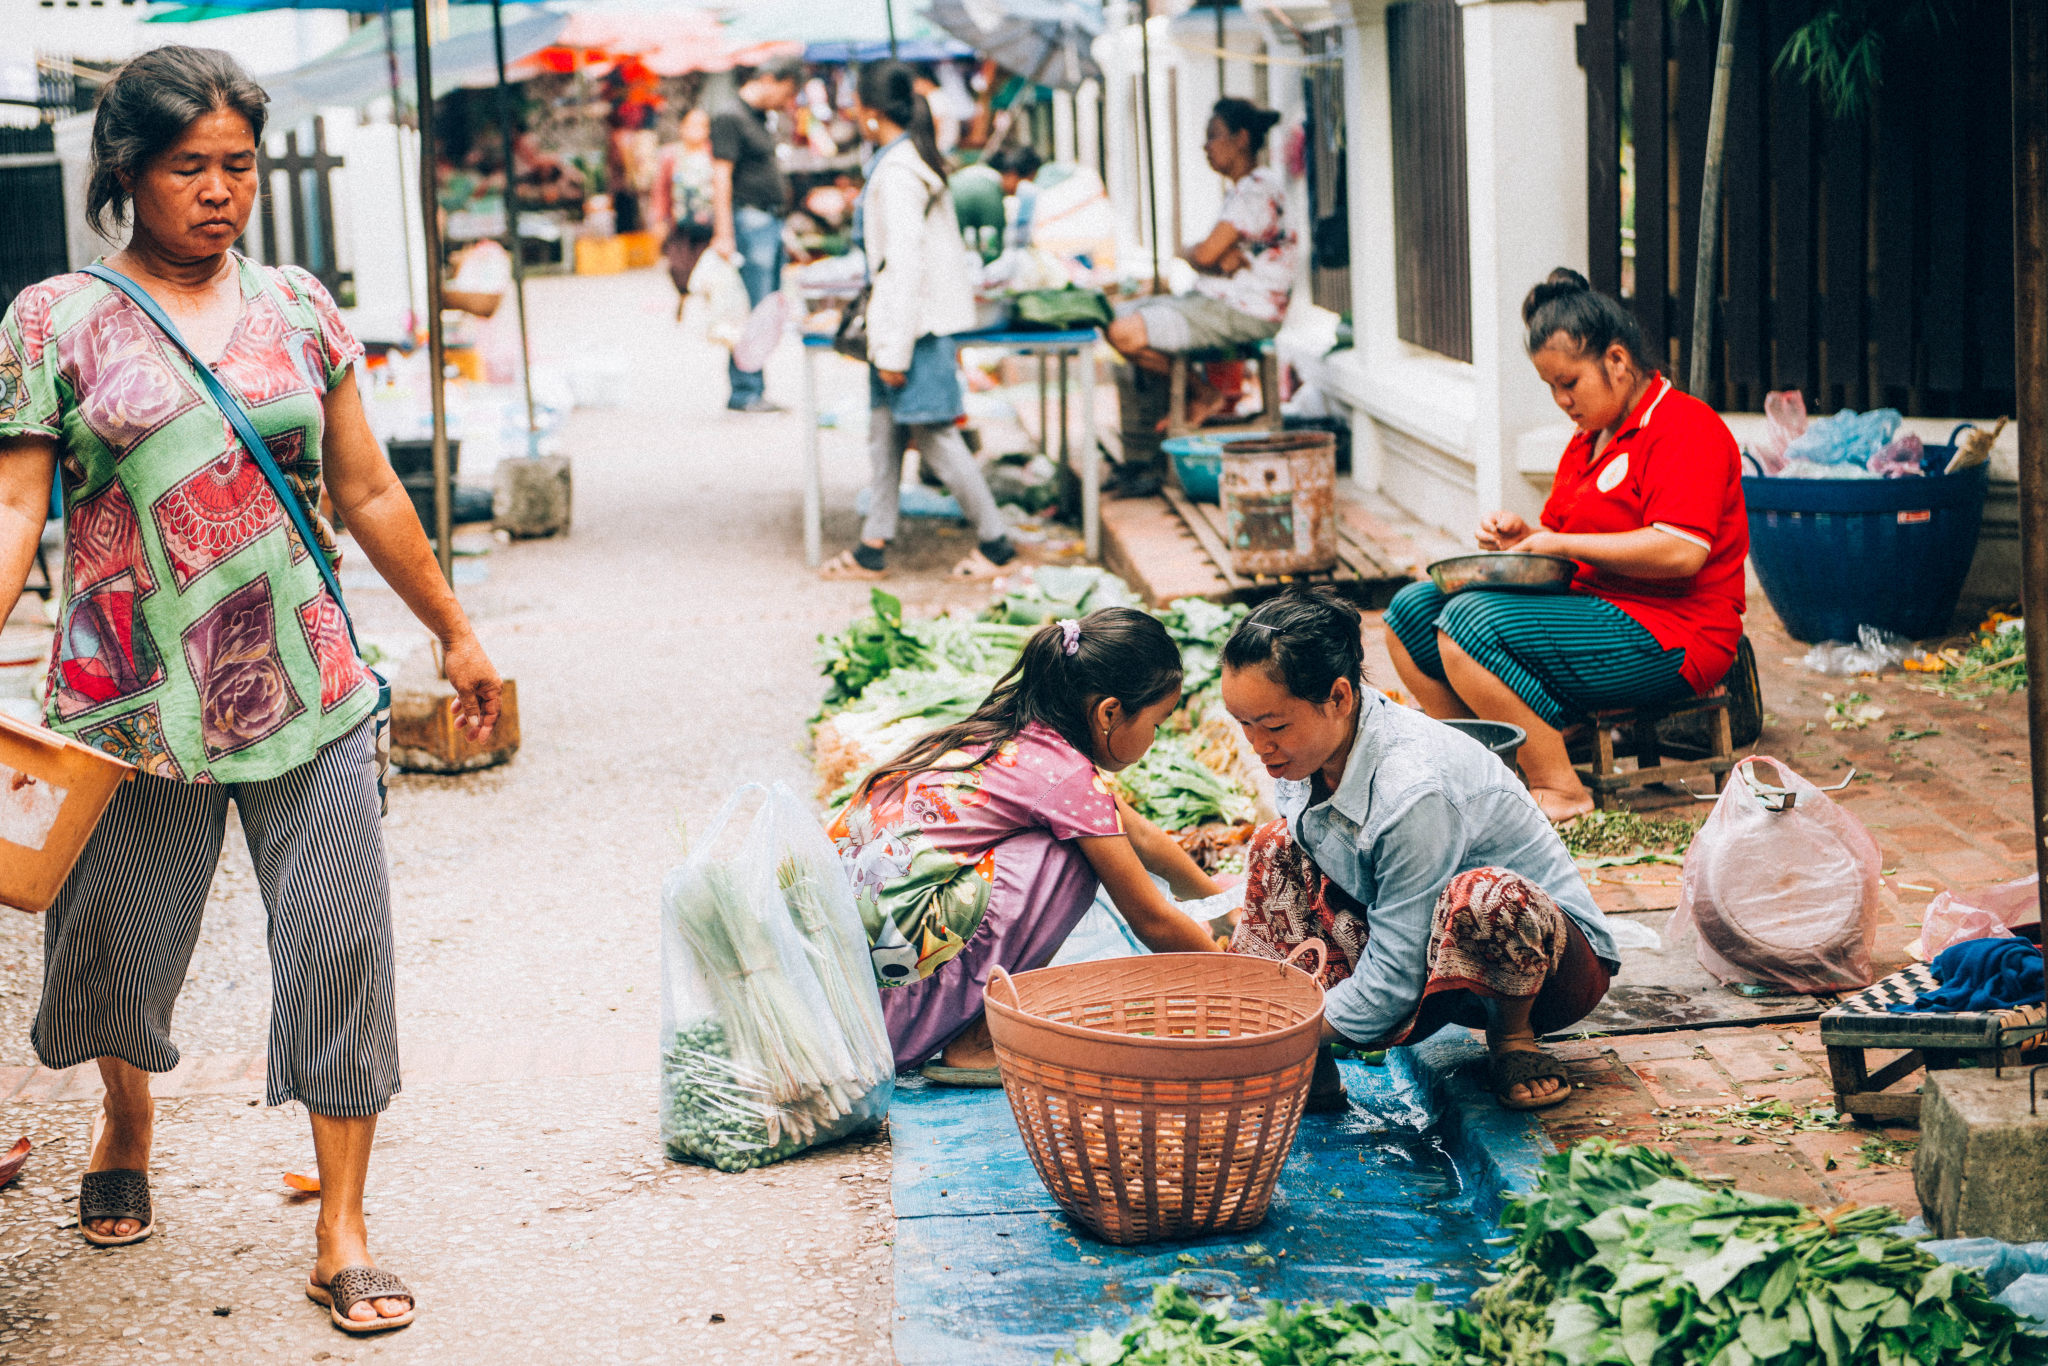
[1246, 264]
[1648, 500]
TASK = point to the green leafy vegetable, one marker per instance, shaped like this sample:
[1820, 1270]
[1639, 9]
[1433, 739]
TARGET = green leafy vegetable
[1622, 1258]
[1200, 628]
[1600, 834]
[1176, 791]
[868, 649]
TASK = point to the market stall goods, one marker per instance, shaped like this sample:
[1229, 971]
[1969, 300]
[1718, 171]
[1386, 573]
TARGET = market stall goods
[773, 1022]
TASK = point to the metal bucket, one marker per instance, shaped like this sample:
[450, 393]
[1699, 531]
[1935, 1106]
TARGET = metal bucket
[45, 821]
[1280, 503]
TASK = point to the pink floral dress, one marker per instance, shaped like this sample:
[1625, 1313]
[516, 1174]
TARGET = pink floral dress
[961, 869]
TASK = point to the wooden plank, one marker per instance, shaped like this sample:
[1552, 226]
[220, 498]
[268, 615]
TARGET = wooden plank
[1791, 284]
[1991, 251]
[1847, 204]
[1647, 114]
[1205, 535]
[1901, 110]
[1694, 103]
[1598, 51]
[1880, 1106]
[1742, 241]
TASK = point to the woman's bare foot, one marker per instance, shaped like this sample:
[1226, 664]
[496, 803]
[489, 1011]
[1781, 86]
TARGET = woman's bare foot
[972, 1049]
[1204, 402]
[1561, 805]
[351, 1247]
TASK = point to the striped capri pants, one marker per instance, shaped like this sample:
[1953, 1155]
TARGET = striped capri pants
[1565, 655]
[119, 938]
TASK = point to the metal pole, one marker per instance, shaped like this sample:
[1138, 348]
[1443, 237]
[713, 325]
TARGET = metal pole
[889, 8]
[1703, 291]
[437, 350]
[1222, 46]
[1151, 171]
[2030, 369]
[512, 226]
[412, 306]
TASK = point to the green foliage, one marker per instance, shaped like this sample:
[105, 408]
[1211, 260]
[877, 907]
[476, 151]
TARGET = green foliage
[1617, 834]
[1840, 49]
[1200, 627]
[1622, 1258]
[867, 649]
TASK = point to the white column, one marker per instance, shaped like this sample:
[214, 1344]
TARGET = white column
[1525, 140]
[1369, 153]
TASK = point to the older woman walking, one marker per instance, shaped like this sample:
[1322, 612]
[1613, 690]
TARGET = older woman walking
[200, 643]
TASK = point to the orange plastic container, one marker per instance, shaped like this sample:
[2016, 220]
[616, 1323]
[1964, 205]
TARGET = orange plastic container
[45, 821]
[1158, 1096]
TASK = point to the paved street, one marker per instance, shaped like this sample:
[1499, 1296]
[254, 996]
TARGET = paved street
[663, 654]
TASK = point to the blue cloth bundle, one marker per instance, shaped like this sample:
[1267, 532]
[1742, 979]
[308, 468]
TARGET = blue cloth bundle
[1981, 974]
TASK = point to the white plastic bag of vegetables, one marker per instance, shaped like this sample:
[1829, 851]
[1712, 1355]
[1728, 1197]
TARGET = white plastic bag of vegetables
[772, 1030]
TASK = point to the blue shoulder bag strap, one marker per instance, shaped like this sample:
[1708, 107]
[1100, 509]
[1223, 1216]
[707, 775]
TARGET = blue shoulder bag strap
[287, 497]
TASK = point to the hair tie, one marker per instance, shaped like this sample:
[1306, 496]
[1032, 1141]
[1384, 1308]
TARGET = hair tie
[1071, 630]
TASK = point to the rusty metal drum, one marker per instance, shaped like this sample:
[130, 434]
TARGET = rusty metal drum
[1280, 503]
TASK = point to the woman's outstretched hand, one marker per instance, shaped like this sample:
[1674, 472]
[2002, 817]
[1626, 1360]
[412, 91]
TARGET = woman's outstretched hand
[1502, 531]
[477, 685]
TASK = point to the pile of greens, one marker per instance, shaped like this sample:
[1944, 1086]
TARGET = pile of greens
[1993, 660]
[1176, 791]
[1615, 834]
[1060, 592]
[882, 643]
[1622, 1258]
[1200, 627]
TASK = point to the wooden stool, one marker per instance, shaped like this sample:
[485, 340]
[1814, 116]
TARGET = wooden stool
[1985, 1038]
[1708, 732]
[1268, 418]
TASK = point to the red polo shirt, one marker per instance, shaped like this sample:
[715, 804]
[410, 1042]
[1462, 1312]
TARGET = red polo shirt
[1674, 466]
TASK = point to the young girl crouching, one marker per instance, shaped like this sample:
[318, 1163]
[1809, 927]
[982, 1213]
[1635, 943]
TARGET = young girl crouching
[984, 842]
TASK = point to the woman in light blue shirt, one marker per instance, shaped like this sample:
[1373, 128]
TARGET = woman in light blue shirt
[1441, 891]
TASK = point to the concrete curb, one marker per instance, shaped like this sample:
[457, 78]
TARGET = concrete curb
[1503, 1149]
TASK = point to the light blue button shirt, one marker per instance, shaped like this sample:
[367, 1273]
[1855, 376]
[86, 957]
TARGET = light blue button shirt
[1419, 804]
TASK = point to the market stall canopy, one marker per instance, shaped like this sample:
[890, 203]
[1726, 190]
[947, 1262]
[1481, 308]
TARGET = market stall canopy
[1045, 40]
[358, 70]
[666, 42]
[854, 31]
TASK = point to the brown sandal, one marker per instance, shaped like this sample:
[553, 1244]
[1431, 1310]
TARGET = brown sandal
[350, 1286]
[118, 1194]
[1505, 1071]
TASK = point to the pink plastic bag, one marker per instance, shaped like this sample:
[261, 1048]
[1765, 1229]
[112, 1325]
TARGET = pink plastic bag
[1784, 422]
[1781, 886]
[1981, 913]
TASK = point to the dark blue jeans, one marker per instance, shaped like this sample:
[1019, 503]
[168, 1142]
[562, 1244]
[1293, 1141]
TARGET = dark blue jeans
[758, 235]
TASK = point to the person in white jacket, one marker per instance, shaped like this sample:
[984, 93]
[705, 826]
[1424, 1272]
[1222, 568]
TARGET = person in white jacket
[920, 295]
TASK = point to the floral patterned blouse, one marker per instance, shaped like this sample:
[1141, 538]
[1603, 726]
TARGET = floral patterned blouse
[197, 640]
[1257, 207]
[922, 854]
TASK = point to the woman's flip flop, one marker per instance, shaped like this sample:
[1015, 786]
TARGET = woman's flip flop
[1505, 1071]
[349, 1287]
[844, 566]
[976, 568]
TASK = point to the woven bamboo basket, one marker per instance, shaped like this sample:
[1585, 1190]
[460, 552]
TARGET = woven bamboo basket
[1159, 1095]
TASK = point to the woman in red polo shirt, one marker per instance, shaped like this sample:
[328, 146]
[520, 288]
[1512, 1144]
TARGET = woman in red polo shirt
[1648, 500]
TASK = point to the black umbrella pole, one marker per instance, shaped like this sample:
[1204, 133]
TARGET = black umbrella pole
[437, 347]
[889, 8]
[412, 303]
[2030, 366]
[512, 242]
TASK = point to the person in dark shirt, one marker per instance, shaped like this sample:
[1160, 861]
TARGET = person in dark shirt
[749, 196]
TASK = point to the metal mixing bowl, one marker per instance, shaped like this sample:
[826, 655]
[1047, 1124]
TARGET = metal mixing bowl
[1504, 572]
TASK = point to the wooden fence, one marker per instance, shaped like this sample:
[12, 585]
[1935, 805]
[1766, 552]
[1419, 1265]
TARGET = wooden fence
[1432, 230]
[32, 245]
[1866, 262]
[300, 183]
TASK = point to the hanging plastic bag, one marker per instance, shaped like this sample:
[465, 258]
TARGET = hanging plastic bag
[1781, 886]
[771, 1021]
[1982, 913]
[1784, 423]
[722, 307]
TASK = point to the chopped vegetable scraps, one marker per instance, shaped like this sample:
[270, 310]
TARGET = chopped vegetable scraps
[1993, 660]
[1615, 834]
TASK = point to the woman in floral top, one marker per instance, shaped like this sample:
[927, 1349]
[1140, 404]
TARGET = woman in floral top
[983, 843]
[1246, 265]
[199, 643]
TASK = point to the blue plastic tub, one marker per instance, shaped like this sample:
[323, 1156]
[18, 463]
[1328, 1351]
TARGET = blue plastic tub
[1198, 462]
[1836, 554]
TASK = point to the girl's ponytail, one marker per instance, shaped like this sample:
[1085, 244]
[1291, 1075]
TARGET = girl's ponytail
[1116, 652]
[890, 89]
